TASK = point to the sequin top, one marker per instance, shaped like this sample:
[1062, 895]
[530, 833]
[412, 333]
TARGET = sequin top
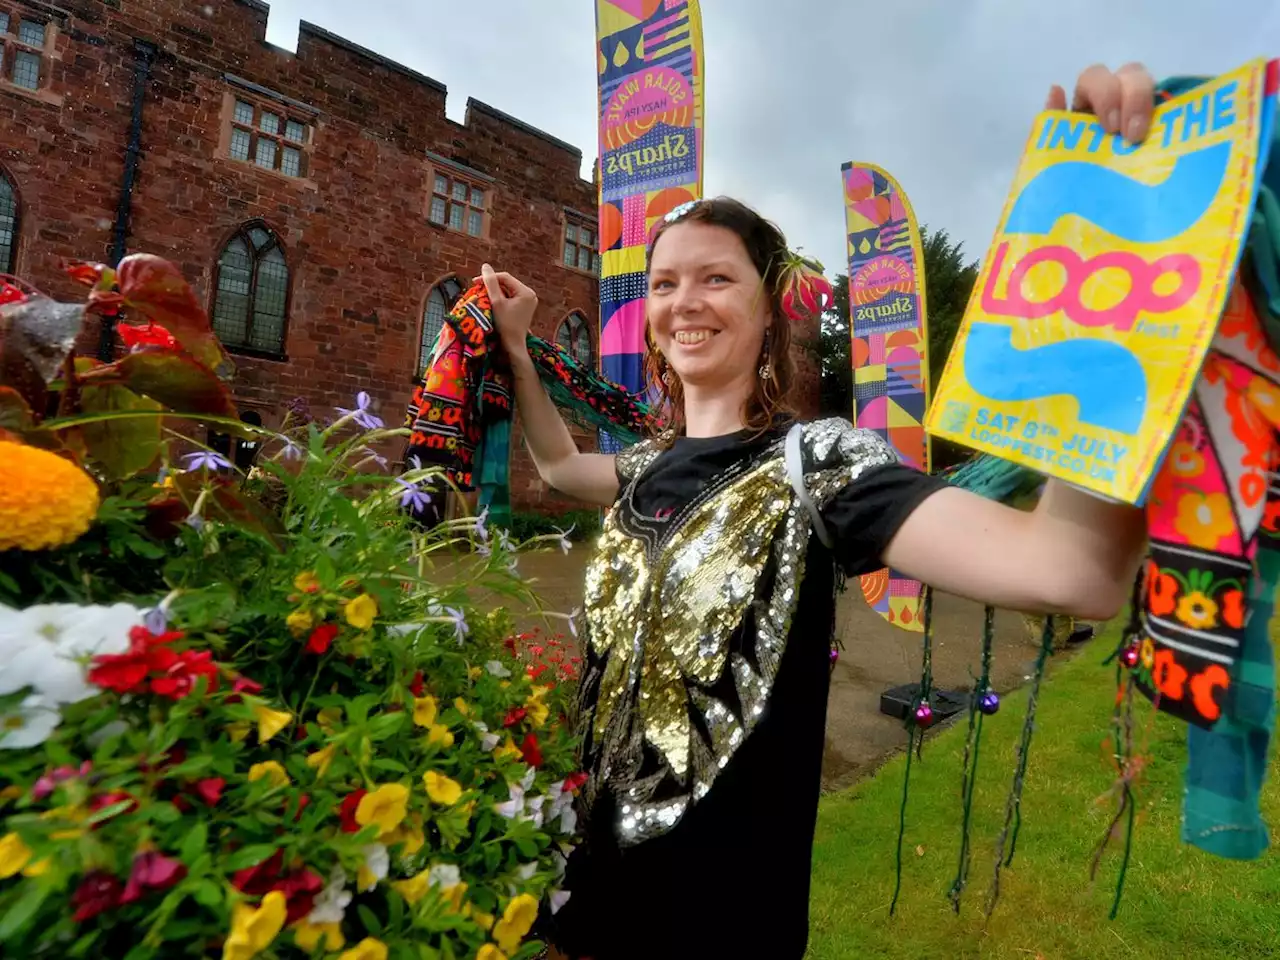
[691, 613]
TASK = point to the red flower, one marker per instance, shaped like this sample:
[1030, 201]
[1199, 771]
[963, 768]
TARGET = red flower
[152, 335]
[321, 637]
[152, 871]
[243, 685]
[304, 801]
[418, 686]
[531, 751]
[348, 810]
[121, 672]
[536, 651]
[140, 637]
[514, 716]
[180, 678]
[86, 273]
[535, 670]
[10, 294]
[210, 790]
[574, 781]
[298, 886]
[98, 892]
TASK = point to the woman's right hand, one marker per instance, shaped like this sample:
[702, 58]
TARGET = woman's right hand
[513, 304]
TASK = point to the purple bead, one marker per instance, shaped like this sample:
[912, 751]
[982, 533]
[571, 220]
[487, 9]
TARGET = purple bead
[990, 702]
[835, 655]
[1130, 656]
[924, 715]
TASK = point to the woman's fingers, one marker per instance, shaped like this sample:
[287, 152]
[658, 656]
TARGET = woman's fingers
[491, 284]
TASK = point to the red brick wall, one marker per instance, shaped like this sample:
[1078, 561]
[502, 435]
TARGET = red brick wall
[361, 252]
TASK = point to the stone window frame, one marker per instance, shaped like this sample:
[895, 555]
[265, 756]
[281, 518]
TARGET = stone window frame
[429, 326]
[574, 223]
[571, 333]
[288, 113]
[9, 264]
[12, 45]
[259, 253]
[440, 205]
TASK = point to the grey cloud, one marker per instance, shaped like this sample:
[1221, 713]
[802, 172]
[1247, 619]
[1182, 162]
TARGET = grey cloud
[940, 93]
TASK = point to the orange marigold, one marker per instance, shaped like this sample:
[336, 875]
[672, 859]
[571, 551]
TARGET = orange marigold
[45, 501]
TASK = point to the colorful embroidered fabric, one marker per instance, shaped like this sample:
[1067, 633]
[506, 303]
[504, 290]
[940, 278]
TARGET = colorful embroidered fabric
[460, 416]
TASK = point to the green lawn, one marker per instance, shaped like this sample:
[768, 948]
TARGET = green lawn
[1178, 901]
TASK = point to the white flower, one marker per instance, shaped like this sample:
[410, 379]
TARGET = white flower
[488, 741]
[568, 820]
[534, 806]
[496, 669]
[526, 782]
[515, 806]
[558, 899]
[29, 723]
[527, 870]
[331, 903]
[444, 876]
[377, 862]
[565, 544]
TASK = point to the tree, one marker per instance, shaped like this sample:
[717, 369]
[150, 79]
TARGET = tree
[949, 280]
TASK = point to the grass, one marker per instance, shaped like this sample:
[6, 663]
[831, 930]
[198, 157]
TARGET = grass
[1178, 901]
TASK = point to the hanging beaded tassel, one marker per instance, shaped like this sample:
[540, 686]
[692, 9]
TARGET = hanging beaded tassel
[1013, 808]
[982, 703]
[1128, 762]
[919, 717]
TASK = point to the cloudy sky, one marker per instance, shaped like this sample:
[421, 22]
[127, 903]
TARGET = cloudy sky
[941, 93]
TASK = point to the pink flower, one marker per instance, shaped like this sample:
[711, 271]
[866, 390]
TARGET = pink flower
[98, 892]
[151, 871]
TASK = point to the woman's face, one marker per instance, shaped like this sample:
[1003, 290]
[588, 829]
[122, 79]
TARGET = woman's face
[707, 306]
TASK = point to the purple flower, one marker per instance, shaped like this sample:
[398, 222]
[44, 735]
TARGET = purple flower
[376, 457]
[482, 530]
[414, 498]
[195, 522]
[299, 410]
[565, 544]
[207, 460]
[573, 625]
[291, 450]
[156, 620]
[362, 414]
[460, 628]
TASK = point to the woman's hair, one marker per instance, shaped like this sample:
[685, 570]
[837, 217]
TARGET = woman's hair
[767, 248]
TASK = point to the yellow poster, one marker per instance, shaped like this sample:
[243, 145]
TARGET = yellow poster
[1101, 293]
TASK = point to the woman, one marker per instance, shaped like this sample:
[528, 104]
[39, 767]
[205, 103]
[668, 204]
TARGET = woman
[709, 606]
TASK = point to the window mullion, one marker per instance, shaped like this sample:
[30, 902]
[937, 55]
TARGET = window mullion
[254, 260]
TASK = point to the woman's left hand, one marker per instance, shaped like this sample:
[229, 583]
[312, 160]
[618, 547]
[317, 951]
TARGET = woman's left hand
[1122, 101]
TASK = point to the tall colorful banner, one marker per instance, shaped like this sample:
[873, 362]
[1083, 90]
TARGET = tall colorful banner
[890, 345]
[650, 63]
[1098, 300]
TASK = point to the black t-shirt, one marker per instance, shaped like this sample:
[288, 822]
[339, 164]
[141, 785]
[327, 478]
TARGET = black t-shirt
[731, 879]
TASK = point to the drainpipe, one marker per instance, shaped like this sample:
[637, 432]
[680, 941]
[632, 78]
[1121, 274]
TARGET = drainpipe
[143, 54]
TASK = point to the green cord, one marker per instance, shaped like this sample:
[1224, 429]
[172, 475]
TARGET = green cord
[969, 767]
[1013, 807]
[1128, 847]
[902, 820]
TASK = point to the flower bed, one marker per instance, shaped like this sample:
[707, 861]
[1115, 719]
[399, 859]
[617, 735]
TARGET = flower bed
[240, 716]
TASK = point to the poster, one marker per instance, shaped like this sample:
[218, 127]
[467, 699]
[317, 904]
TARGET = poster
[1097, 301]
[650, 64]
[889, 345]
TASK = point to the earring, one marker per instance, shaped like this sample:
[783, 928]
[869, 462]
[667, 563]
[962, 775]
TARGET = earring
[666, 377]
[766, 370]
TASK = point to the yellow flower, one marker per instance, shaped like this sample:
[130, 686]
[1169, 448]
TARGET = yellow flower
[438, 735]
[45, 500]
[299, 622]
[508, 749]
[14, 855]
[238, 731]
[410, 834]
[253, 928]
[485, 921]
[270, 722]
[461, 706]
[74, 814]
[308, 936]
[537, 711]
[329, 718]
[1204, 518]
[1197, 611]
[490, 952]
[37, 869]
[366, 949]
[306, 581]
[442, 789]
[474, 673]
[453, 896]
[424, 711]
[320, 760]
[413, 889]
[517, 920]
[272, 771]
[360, 612]
[386, 806]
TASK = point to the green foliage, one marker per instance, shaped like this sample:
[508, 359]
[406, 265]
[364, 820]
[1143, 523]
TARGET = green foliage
[577, 525]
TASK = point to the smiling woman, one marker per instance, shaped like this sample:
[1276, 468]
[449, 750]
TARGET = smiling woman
[710, 600]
